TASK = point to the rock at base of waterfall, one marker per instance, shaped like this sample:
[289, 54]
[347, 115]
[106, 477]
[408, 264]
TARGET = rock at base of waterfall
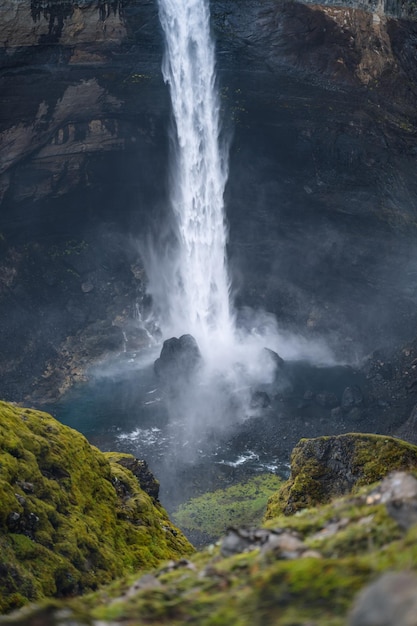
[179, 358]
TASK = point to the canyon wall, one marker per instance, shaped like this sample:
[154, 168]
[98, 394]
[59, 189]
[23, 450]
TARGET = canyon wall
[319, 102]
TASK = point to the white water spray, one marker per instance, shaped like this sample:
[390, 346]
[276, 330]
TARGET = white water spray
[190, 283]
[198, 290]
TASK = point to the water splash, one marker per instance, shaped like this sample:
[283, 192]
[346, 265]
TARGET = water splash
[197, 282]
[189, 279]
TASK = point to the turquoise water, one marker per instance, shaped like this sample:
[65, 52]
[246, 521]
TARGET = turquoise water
[121, 397]
[122, 408]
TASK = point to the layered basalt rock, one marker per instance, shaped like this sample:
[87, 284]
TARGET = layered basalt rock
[322, 103]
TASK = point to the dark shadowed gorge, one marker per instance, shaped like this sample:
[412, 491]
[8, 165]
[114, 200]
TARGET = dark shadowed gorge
[318, 104]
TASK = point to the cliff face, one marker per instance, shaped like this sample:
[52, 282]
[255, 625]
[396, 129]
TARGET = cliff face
[63, 21]
[82, 154]
[320, 100]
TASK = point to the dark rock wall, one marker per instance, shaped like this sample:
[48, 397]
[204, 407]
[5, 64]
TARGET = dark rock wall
[83, 152]
[319, 102]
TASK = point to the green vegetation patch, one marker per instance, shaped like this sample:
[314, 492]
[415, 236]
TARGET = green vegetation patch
[242, 504]
[346, 544]
[70, 518]
[353, 542]
[341, 546]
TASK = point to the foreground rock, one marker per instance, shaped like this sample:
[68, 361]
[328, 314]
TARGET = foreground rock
[301, 569]
[392, 599]
[71, 517]
[328, 467]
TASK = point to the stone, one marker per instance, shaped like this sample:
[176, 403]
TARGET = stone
[140, 469]
[239, 540]
[352, 397]
[327, 400]
[179, 358]
[390, 600]
[148, 581]
[21, 499]
[284, 545]
[26, 486]
[398, 491]
[274, 356]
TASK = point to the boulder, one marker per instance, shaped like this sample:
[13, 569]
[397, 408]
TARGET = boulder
[179, 359]
[328, 467]
[276, 359]
[352, 397]
[391, 599]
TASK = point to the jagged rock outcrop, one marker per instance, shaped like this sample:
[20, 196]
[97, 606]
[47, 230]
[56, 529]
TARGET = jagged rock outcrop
[71, 517]
[327, 467]
[140, 469]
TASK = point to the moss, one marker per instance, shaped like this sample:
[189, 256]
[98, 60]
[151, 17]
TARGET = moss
[66, 523]
[242, 504]
[326, 467]
[354, 537]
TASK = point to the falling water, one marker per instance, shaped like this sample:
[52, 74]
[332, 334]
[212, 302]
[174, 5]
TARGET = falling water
[198, 298]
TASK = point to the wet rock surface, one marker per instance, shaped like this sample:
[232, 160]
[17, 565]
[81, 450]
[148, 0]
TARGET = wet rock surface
[178, 361]
[318, 144]
[53, 329]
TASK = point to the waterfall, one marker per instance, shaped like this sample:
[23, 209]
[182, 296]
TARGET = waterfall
[197, 298]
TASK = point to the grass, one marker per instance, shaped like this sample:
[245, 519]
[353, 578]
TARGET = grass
[242, 504]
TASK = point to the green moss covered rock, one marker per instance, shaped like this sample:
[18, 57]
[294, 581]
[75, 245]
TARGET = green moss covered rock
[299, 570]
[326, 467]
[71, 517]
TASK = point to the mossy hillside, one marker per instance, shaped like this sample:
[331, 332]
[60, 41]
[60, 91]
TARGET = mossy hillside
[242, 504]
[352, 540]
[70, 518]
[327, 467]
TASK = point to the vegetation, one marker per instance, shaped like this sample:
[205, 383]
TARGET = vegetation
[326, 467]
[94, 523]
[242, 504]
[345, 544]
[70, 518]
